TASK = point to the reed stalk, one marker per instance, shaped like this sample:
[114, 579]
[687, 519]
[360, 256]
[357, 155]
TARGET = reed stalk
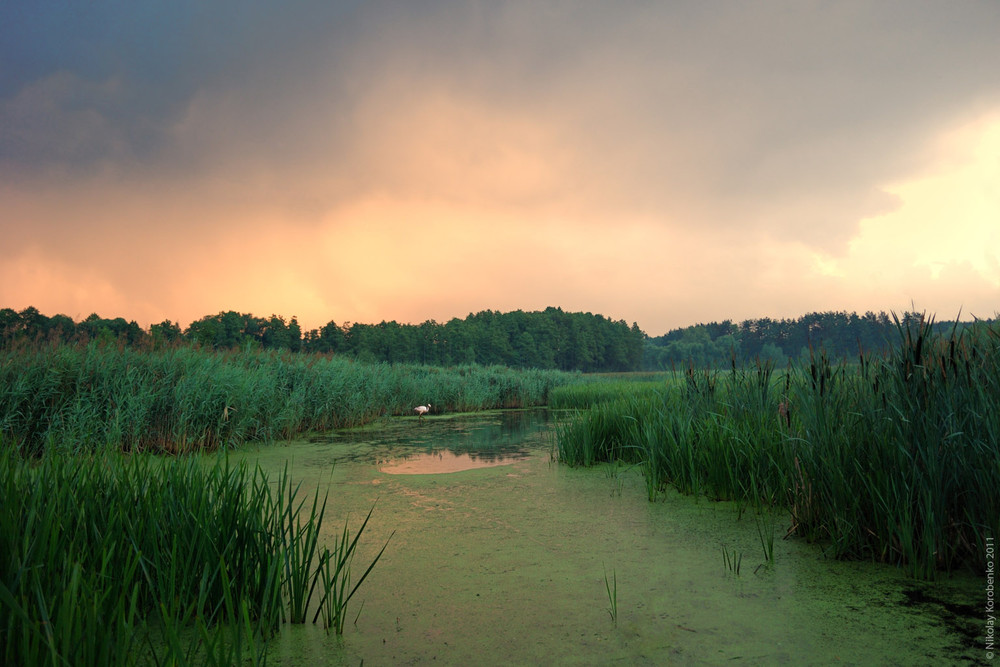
[612, 589]
[892, 459]
[85, 399]
[132, 560]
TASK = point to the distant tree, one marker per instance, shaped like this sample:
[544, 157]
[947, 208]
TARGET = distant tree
[33, 323]
[10, 323]
[230, 331]
[840, 334]
[773, 353]
[61, 328]
[428, 346]
[457, 339]
[276, 334]
[331, 338]
[205, 331]
[294, 335]
[93, 328]
[126, 332]
[551, 338]
[165, 333]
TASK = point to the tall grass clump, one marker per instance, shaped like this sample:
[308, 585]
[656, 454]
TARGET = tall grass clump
[702, 432]
[88, 398]
[893, 459]
[591, 390]
[903, 462]
[127, 560]
[608, 430]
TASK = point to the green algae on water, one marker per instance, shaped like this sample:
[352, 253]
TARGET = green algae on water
[503, 565]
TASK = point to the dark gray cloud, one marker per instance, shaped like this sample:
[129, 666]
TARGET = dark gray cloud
[82, 83]
[720, 123]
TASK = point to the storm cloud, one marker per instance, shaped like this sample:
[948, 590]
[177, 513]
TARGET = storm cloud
[659, 162]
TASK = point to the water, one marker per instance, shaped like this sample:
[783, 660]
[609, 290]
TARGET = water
[445, 445]
[500, 554]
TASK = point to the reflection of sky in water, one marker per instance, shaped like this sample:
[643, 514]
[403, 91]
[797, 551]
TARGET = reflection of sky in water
[442, 461]
[444, 444]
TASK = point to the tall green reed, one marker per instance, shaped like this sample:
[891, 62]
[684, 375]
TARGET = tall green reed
[85, 399]
[894, 458]
[128, 560]
[612, 589]
[335, 570]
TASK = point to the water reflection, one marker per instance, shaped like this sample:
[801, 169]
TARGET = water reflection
[443, 461]
[445, 443]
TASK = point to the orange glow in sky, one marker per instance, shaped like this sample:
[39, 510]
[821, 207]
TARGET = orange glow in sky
[359, 163]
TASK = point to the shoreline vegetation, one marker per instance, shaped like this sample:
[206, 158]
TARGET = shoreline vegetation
[551, 339]
[212, 560]
[892, 458]
[82, 399]
[111, 559]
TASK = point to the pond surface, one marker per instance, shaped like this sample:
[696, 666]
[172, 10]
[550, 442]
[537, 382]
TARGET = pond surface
[500, 557]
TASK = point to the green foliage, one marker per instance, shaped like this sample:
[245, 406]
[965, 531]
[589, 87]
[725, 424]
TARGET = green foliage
[612, 588]
[550, 339]
[115, 560]
[335, 570]
[71, 398]
[732, 561]
[841, 335]
[894, 458]
[595, 390]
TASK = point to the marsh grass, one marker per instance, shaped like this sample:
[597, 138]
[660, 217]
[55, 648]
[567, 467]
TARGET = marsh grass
[766, 535]
[335, 569]
[128, 560]
[86, 399]
[612, 588]
[733, 561]
[590, 390]
[893, 459]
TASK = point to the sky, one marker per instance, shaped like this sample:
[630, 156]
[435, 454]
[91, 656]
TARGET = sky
[663, 163]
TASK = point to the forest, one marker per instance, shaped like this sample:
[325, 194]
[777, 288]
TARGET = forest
[551, 339]
[841, 335]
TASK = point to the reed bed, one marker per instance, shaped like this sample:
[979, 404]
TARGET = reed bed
[894, 459]
[130, 560]
[599, 390]
[84, 399]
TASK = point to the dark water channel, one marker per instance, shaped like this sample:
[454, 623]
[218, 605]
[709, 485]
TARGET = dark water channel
[500, 555]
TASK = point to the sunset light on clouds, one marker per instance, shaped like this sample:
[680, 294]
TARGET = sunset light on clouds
[662, 163]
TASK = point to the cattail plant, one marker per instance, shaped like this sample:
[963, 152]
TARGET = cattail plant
[893, 459]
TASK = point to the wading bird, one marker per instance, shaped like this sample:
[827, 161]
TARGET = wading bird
[422, 410]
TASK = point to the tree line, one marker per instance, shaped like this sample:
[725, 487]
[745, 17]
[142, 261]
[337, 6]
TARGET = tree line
[549, 339]
[840, 335]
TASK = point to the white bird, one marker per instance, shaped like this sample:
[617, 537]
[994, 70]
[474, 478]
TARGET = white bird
[422, 410]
